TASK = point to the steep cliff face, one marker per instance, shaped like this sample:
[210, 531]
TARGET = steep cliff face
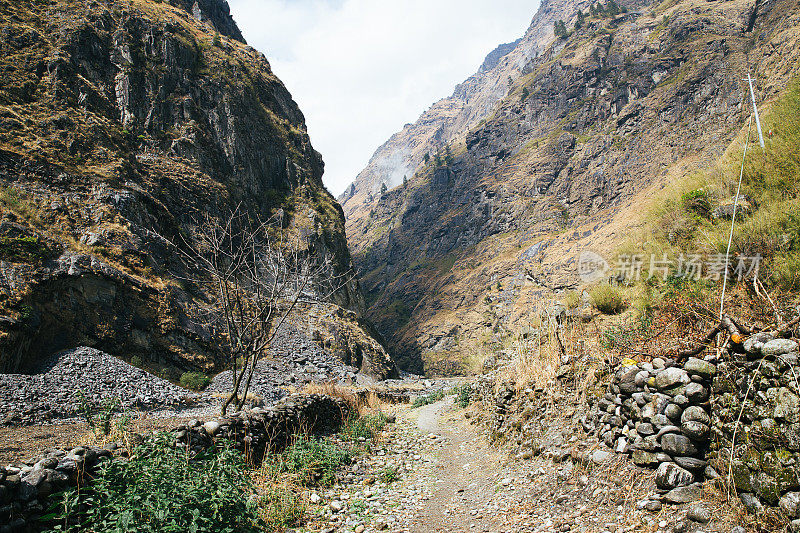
[480, 239]
[122, 123]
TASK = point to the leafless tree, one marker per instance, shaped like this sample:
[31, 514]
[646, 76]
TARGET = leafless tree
[256, 273]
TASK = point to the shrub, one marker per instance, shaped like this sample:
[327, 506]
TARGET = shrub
[194, 380]
[428, 399]
[607, 299]
[137, 361]
[463, 394]
[282, 508]
[697, 201]
[159, 489]
[571, 299]
[312, 461]
[365, 427]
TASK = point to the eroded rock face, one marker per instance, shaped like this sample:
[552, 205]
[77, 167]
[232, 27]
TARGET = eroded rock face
[493, 224]
[140, 120]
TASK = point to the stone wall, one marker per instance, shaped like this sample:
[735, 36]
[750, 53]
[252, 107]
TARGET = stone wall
[26, 488]
[685, 419]
[759, 390]
[660, 413]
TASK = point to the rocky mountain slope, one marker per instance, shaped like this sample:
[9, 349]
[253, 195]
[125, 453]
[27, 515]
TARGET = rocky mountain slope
[123, 123]
[565, 160]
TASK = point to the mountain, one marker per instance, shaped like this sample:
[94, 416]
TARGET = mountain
[123, 123]
[556, 149]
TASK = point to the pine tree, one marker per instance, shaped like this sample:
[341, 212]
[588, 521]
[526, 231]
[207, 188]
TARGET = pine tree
[405, 181]
[581, 18]
[384, 188]
[612, 8]
[560, 29]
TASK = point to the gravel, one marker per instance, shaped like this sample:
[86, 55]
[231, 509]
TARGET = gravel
[52, 392]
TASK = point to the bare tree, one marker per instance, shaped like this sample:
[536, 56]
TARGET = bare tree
[256, 273]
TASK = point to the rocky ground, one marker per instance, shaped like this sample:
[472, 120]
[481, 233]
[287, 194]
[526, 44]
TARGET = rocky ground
[294, 361]
[55, 390]
[452, 479]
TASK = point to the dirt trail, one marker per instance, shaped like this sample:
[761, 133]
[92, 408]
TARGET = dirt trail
[463, 469]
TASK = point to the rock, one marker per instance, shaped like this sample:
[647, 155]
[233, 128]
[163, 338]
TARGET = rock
[677, 445]
[336, 506]
[211, 427]
[645, 428]
[787, 406]
[315, 498]
[644, 458]
[691, 463]
[751, 502]
[660, 421]
[696, 393]
[670, 476]
[738, 529]
[754, 343]
[667, 429]
[687, 494]
[700, 368]
[673, 412]
[696, 414]
[696, 431]
[653, 506]
[790, 504]
[699, 513]
[601, 456]
[670, 377]
[778, 347]
[794, 526]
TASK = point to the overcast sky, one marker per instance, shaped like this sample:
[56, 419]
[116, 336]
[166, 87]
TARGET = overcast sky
[361, 69]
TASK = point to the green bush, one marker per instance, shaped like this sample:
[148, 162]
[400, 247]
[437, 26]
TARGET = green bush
[571, 299]
[607, 299]
[463, 394]
[389, 474]
[282, 508]
[428, 399]
[195, 380]
[698, 202]
[313, 461]
[366, 427]
[160, 490]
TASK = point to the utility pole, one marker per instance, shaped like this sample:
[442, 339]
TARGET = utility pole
[755, 111]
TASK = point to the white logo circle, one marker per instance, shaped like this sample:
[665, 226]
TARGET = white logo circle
[592, 267]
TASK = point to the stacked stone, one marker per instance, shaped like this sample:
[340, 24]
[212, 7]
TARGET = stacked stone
[659, 412]
[257, 431]
[25, 489]
[756, 398]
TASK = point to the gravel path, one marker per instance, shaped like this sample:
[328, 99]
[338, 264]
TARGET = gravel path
[452, 480]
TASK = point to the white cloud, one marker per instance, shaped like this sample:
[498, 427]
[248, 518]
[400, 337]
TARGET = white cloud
[360, 69]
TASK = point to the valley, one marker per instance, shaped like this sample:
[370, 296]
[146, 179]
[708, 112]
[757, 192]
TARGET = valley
[564, 299]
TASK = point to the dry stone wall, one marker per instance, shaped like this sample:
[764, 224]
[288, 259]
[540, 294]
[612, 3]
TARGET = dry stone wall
[26, 488]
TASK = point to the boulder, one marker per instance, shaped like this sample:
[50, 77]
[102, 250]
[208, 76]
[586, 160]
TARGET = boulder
[670, 476]
[697, 414]
[699, 513]
[691, 464]
[778, 347]
[790, 504]
[671, 377]
[754, 343]
[687, 494]
[697, 431]
[787, 406]
[696, 393]
[700, 368]
[644, 458]
[678, 445]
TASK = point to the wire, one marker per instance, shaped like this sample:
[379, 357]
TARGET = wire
[733, 219]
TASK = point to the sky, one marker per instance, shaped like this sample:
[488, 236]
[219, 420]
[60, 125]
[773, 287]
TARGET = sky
[361, 69]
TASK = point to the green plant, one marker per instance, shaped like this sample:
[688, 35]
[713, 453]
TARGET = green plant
[428, 399]
[194, 380]
[137, 361]
[313, 461]
[624, 336]
[97, 417]
[697, 201]
[159, 489]
[281, 508]
[389, 474]
[365, 428]
[463, 394]
[607, 299]
[571, 299]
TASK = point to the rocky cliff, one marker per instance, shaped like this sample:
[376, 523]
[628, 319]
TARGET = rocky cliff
[560, 158]
[122, 123]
